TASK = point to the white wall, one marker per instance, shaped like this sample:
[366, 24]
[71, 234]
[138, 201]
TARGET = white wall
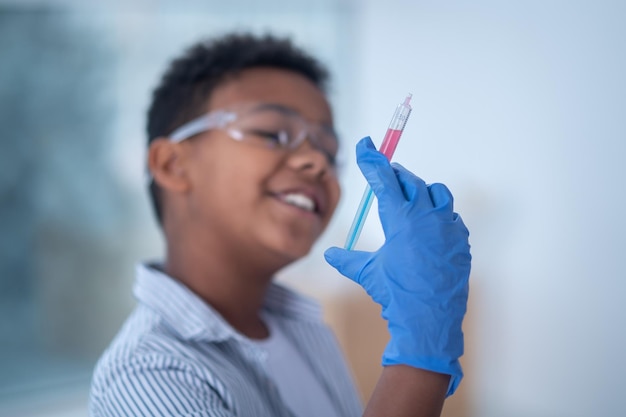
[519, 108]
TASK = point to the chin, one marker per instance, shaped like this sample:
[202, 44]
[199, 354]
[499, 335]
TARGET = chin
[296, 253]
[286, 245]
[291, 251]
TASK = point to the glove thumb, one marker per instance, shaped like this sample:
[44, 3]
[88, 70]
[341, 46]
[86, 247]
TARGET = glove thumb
[349, 263]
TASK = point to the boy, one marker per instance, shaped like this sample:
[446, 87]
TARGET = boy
[242, 159]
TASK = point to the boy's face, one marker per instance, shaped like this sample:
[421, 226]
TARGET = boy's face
[251, 197]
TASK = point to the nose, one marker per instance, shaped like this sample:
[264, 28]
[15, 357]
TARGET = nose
[311, 160]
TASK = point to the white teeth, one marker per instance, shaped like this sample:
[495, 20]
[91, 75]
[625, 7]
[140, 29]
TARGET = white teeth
[299, 200]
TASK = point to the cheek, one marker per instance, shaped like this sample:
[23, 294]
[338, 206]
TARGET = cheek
[244, 178]
[232, 164]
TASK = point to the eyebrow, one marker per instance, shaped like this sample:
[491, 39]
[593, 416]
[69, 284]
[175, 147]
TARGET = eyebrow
[275, 106]
[291, 111]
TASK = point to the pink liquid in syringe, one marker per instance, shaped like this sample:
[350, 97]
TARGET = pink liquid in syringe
[388, 147]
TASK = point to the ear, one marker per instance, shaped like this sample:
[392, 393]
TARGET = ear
[166, 164]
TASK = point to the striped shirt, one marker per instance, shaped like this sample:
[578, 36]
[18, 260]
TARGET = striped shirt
[176, 356]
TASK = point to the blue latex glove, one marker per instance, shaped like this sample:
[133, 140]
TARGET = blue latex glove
[420, 274]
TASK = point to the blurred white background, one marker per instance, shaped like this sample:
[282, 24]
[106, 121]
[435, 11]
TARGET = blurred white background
[519, 107]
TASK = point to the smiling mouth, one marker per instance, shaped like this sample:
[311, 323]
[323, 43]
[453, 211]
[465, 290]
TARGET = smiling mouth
[300, 201]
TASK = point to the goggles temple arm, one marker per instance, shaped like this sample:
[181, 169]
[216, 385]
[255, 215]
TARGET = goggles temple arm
[214, 120]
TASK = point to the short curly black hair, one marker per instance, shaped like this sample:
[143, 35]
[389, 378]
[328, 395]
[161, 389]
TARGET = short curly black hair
[190, 79]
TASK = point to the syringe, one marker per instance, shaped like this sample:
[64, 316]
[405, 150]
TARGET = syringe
[388, 147]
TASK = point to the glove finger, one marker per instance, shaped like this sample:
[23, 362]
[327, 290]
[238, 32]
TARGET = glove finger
[413, 187]
[352, 264]
[349, 263]
[442, 198]
[378, 172]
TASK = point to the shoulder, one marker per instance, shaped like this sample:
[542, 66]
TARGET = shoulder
[144, 342]
[148, 370]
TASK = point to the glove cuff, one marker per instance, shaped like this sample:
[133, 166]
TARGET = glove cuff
[452, 368]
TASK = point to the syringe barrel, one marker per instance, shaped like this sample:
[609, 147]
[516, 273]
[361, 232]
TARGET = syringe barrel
[401, 115]
[388, 147]
[396, 127]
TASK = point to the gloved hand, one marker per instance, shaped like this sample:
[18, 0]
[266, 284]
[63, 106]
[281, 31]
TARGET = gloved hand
[420, 274]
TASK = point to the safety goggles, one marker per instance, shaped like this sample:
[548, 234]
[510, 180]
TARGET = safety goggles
[269, 125]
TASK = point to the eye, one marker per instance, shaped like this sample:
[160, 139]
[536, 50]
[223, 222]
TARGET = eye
[329, 149]
[276, 137]
[331, 157]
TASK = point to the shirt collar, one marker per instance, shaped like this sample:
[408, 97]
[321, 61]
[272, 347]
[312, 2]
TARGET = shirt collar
[194, 319]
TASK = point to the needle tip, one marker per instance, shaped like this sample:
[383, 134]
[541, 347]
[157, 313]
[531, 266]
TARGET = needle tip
[407, 100]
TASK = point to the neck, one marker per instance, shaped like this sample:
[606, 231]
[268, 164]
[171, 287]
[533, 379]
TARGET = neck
[233, 286]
